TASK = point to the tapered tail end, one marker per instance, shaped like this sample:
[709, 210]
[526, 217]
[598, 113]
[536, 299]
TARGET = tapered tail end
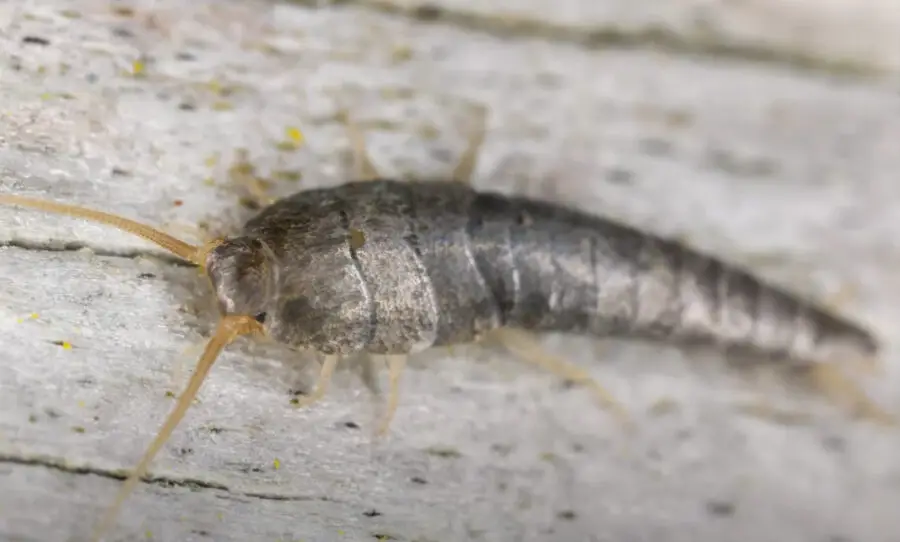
[850, 346]
[848, 351]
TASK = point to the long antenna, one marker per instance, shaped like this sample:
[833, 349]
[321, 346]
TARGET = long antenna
[181, 249]
[229, 329]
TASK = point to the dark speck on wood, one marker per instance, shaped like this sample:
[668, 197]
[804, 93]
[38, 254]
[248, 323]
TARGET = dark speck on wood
[35, 40]
[720, 508]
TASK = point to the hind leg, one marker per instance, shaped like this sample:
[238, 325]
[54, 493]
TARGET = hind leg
[828, 380]
[328, 366]
[469, 160]
[842, 390]
[363, 168]
[523, 346]
[253, 190]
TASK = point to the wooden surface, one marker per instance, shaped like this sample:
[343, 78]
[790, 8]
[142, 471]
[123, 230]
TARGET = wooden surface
[791, 172]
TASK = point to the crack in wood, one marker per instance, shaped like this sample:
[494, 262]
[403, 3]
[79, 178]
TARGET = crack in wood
[160, 481]
[75, 246]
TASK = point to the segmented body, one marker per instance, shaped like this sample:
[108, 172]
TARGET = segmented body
[395, 267]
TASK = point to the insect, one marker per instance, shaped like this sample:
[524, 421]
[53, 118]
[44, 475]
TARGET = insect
[391, 268]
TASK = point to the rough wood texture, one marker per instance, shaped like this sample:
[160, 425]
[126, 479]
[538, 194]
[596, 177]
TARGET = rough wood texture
[793, 174]
[831, 35]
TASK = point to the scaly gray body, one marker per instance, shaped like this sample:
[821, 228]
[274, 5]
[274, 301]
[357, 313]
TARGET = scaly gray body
[396, 267]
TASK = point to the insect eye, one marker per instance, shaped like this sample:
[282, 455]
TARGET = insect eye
[261, 318]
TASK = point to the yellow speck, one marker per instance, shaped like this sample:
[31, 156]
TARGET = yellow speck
[357, 239]
[209, 181]
[47, 96]
[276, 464]
[170, 394]
[268, 48]
[396, 93]
[149, 535]
[286, 146]
[401, 53]
[211, 160]
[287, 175]
[65, 345]
[123, 11]
[34, 316]
[137, 67]
[242, 165]
[221, 90]
[81, 404]
[663, 406]
[429, 132]
[220, 516]
[774, 414]
[294, 134]
[222, 105]
[340, 532]
[78, 429]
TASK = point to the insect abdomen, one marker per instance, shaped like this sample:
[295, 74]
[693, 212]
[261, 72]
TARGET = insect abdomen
[441, 264]
[554, 269]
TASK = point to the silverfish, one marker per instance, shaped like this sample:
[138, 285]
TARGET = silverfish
[389, 268]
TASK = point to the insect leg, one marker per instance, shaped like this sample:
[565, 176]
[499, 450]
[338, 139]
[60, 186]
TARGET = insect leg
[466, 166]
[328, 366]
[526, 348]
[230, 328]
[363, 168]
[396, 365]
[839, 388]
[259, 196]
[242, 174]
[369, 375]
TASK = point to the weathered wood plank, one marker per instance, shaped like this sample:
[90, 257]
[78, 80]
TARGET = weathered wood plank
[791, 174]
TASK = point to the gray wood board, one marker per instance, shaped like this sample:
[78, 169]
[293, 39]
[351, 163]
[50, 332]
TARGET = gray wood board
[790, 174]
